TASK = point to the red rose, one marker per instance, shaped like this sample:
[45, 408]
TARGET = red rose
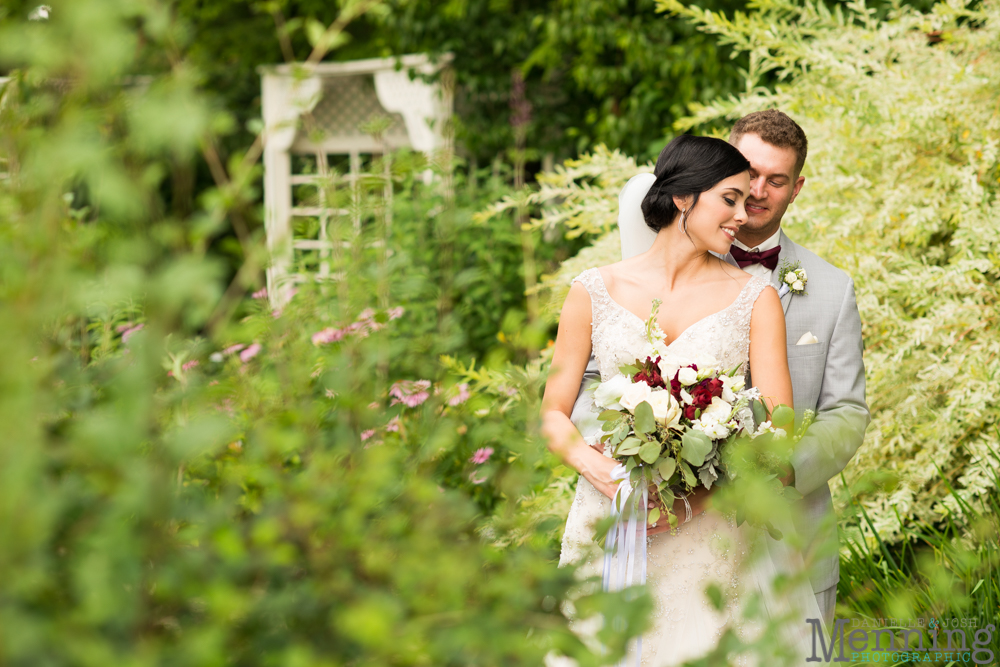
[650, 374]
[689, 412]
[714, 386]
[702, 397]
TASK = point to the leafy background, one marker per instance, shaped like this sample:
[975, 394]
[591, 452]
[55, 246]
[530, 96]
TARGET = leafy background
[188, 477]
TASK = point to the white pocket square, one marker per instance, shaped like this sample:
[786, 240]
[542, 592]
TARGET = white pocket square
[783, 290]
[807, 339]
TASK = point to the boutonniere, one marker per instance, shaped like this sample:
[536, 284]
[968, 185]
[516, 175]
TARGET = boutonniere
[793, 277]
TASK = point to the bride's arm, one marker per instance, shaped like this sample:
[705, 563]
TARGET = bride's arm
[569, 360]
[768, 354]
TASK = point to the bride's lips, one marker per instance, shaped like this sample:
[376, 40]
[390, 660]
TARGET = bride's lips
[730, 232]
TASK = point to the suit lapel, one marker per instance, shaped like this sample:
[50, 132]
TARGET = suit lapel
[789, 255]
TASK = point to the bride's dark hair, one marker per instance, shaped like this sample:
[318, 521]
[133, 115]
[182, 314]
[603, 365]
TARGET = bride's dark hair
[688, 166]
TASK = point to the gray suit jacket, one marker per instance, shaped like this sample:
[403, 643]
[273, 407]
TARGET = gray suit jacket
[828, 377]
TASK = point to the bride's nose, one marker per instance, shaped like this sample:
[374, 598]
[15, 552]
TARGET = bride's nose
[741, 215]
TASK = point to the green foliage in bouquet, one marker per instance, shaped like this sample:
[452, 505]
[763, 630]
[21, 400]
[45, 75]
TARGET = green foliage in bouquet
[191, 477]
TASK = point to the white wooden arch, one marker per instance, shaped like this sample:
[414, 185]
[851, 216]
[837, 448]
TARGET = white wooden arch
[318, 111]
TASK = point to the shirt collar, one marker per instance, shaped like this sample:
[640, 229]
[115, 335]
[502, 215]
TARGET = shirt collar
[770, 242]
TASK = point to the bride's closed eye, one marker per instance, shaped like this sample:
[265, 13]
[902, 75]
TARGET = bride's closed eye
[731, 202]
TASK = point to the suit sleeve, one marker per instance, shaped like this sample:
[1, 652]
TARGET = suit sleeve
[841, 412]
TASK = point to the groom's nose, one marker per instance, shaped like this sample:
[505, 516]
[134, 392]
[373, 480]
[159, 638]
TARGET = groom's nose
[757, 187]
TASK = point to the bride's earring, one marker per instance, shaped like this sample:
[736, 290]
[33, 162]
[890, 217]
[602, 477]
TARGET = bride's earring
[684, 221]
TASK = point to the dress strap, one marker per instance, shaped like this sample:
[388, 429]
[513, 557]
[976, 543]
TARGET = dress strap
[744, 311]
[600, 299]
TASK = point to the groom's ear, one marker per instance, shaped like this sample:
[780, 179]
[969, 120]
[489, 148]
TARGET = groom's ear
[795, 188]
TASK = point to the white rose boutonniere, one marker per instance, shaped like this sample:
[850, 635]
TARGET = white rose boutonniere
[794, 276]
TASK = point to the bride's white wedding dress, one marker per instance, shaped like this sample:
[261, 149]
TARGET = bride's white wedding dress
[710, 548]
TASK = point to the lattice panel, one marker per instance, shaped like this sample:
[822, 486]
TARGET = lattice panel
[349, 102]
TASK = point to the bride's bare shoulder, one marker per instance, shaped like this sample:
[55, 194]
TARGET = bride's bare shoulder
[623, 272]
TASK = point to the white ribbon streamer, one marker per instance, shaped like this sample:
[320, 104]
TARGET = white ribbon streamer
[623, 535]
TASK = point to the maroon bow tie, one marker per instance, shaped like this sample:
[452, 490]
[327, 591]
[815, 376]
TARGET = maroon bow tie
[768, 258]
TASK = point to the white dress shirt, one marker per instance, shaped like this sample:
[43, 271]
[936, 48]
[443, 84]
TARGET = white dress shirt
[760, 269]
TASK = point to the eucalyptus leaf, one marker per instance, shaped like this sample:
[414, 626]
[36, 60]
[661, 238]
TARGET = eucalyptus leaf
[667, 467]
[695, 446]
[783, 415]
[644, 419]
[649, 452]
[688, 474]
[629, 447]
[609, 415]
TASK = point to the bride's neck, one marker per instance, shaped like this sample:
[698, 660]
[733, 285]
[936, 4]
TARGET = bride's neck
[675, 256]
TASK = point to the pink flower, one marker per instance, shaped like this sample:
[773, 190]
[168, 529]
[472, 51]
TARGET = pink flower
[367, 434]
[128, 332]
[189, 365]
[276, 313]
[395, 313]
[476, 479]
[260, 294]
[462, 396]
[328, 335]
[366, 314]
[393, 425]
[249, 353]
[233, 349]
[482, 455]
[373, 405]
[410, 393]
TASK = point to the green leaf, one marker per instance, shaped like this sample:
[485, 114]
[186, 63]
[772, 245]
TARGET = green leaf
[649, 452]
[759, 412]
[628, 369]
[609, 426]
[695, 446]
[714, 594]
[783, 415]
[609, 415]
[654, 515]
[667, 467]
[689, 477]
[644, 420]
[667, 496]
[629, 447]
[773, 532]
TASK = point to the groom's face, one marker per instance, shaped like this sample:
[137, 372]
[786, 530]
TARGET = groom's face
[773, 186]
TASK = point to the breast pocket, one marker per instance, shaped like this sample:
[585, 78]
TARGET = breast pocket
[806, 364]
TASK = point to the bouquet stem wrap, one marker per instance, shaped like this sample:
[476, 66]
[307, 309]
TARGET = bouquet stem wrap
[629, 537]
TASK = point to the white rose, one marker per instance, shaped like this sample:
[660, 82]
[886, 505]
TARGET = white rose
[790, 277]
[687, 376]
[608, 393]
[727, 395]
[718, 411]
[686, 397]
[636, 393]
[670, 363]
[714, 430]
[733, 383]
[706, 364]
[802, 275]
[798, 286]
[665, 408]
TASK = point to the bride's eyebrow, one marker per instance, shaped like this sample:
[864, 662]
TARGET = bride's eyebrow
[736, 190]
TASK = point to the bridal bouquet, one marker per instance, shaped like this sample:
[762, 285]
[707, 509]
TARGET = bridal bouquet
[672, 422]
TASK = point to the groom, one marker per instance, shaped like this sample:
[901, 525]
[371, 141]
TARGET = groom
[823, 334]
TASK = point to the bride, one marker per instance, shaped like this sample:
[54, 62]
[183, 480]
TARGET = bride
[694, 207]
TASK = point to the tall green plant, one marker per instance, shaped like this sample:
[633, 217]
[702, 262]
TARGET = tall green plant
[186, 475]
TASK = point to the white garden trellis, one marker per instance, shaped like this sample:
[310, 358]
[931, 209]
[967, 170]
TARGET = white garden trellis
[313, 113]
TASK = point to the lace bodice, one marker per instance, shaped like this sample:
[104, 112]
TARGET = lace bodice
[619, 336]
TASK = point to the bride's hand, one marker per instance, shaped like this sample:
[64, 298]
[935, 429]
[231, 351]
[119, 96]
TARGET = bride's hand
[700, 501]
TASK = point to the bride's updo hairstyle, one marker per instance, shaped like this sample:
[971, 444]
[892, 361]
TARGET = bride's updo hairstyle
[688, 166]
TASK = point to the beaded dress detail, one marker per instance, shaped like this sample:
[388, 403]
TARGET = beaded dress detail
[710, 547]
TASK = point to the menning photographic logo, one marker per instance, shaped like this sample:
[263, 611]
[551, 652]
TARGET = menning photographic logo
[900, 648]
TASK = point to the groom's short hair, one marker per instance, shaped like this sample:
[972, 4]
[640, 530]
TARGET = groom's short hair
[775, 128]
